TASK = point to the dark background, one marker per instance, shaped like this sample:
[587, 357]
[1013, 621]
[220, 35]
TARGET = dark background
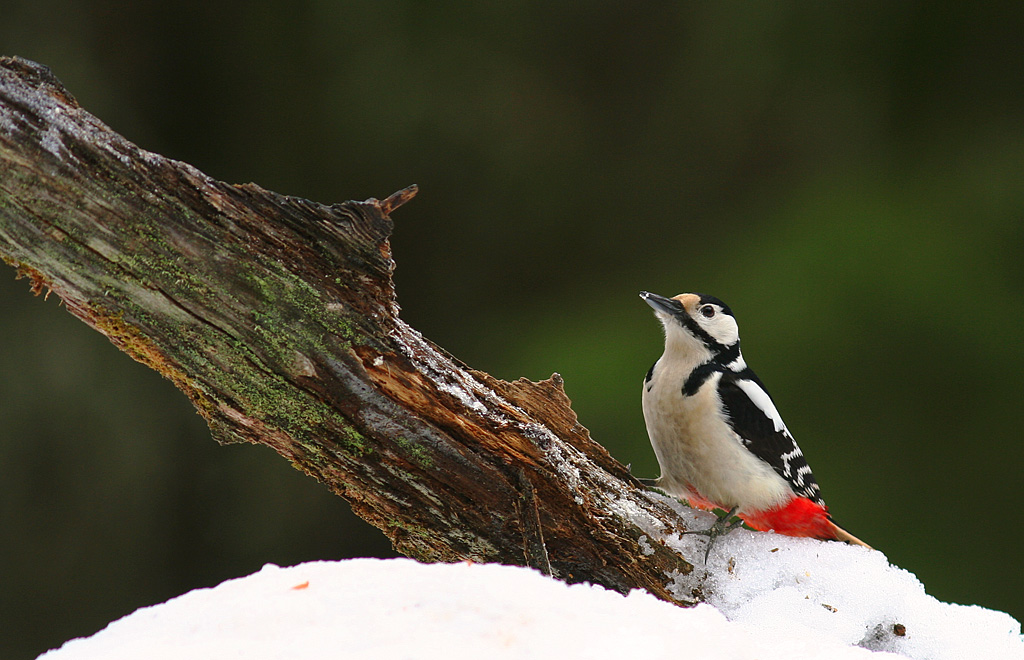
[847, 178]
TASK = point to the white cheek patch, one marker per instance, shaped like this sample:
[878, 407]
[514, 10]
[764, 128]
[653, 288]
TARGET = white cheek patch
[723, 328]
[761, 399]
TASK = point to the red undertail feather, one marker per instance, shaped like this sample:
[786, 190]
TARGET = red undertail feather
[798, 517]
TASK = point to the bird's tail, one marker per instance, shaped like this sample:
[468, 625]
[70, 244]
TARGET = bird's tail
[843, 535]
[801, 517]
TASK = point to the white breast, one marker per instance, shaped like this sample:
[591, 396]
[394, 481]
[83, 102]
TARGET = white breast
[698, 451]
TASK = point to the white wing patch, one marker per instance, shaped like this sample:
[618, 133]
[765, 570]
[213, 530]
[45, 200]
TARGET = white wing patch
[764, 402]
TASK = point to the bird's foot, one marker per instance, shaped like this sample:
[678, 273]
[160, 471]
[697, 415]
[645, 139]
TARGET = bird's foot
[721, 527]
[650, 483]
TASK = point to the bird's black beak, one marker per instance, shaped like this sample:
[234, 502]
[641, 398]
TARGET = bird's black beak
[661, 303]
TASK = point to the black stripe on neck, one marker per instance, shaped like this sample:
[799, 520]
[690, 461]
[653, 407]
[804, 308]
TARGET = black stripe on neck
[720, 362]
[694, 328]
[728, 354]
[699, 376]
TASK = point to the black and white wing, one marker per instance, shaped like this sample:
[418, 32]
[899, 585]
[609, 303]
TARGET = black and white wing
[755, 419]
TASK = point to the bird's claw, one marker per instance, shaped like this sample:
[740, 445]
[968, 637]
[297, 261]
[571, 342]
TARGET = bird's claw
[721, 527]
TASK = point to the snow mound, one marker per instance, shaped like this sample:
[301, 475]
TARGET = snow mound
[801, 586]
[397, 608]
[769, 597]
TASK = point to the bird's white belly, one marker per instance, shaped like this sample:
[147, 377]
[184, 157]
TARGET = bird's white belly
[698, 451]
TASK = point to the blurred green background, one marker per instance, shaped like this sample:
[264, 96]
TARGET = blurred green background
[848, 178]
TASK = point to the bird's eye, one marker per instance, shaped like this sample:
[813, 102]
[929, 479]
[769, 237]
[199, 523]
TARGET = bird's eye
[707, 311]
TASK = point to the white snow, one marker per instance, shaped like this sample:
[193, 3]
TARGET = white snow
[852, 594]
[807, 599]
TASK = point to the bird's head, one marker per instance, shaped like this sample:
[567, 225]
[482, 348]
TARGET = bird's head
[695, 321]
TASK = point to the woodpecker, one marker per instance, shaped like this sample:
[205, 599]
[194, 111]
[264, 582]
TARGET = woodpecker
[719, 438]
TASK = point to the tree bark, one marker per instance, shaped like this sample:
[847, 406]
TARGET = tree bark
[277, 317]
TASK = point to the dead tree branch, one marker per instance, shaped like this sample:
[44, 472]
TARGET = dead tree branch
[277, 317]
